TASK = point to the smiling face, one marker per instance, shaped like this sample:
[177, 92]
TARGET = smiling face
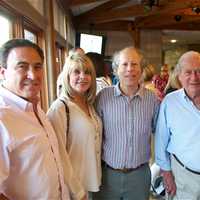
[24, 72]
[80, 80]
[189, 75]
[129, 69]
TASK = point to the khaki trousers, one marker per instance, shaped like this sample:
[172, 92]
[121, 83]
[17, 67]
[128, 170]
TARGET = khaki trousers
[187, 183]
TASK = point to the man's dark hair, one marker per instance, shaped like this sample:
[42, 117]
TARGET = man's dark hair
[15, 43]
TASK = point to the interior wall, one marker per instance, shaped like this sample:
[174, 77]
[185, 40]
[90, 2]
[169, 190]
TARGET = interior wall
[59, 19]
[117, 40]
[151, 45]
[172, 54]
[71, 33]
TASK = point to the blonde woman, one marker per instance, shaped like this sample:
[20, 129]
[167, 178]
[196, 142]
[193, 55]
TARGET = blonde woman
[148, 73]
[80, 128]
[173, 82]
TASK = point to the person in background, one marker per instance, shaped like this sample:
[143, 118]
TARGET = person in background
[76, 123]
[102, 79]
[160, 80]
[59, 85]
[177, 138]
[76, 49]
[30, 166]
[115, 79]
[109, 70]
[128, 112]
[173, 82]
[148, 74]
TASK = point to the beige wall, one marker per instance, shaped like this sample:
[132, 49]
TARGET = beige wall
[151, 45]
[71, 33]
[117, 40]
[172, 55]
[59, 19]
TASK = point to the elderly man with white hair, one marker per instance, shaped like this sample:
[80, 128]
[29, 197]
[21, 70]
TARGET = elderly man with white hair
[177, 138]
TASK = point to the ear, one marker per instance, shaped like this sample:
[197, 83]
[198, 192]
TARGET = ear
[2, 72]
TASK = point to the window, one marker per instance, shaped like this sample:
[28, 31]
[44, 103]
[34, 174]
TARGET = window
[59, 58]
[6, 29]
[30, 36]
[6, 32]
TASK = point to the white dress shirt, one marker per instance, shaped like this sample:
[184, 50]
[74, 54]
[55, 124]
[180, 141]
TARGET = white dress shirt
[30, 165]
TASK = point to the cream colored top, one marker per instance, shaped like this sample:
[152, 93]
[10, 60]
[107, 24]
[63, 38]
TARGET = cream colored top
[84, 141]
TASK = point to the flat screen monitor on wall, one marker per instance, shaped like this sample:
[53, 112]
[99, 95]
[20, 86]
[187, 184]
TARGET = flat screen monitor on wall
[91, 43]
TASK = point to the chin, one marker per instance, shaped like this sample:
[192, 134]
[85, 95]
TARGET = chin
[32, 95]
[82, 90]
[132, 84]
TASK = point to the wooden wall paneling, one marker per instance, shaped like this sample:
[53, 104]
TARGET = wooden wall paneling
[25, 9]
[50, 42]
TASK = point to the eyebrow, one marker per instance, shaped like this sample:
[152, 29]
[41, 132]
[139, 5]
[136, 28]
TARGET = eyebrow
[26, 63]
[22, 62]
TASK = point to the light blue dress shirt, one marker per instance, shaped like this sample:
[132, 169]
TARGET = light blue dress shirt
[178, 131]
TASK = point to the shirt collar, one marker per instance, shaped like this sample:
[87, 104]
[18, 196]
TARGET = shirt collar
[184, 95]
[16, 100]
[118, 92]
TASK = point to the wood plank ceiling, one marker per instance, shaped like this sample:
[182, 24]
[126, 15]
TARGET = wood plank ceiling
[124, 15]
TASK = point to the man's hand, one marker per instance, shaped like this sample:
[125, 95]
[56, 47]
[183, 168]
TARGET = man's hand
[169, 182]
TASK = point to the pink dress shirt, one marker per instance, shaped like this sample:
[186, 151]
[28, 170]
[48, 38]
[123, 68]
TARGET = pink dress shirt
[30, 165]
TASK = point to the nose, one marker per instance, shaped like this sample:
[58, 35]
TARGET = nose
[130, 67]
[82, 74]
[31, 74]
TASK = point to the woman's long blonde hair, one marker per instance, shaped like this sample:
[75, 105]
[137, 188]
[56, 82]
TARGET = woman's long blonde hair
[82, 62]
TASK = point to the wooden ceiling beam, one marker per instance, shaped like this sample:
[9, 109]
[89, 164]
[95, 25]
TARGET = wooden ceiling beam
[135, 11]
[124, 26]
[110, 26]
[103, 8]
[82, 2]
[169, 20]
[183, 26]
[113, 14]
